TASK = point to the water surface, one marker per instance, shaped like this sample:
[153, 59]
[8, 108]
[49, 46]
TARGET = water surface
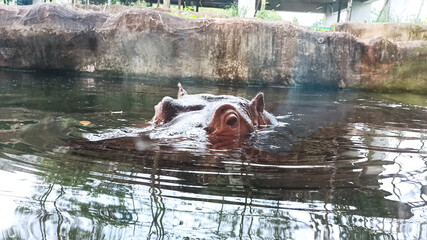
[339, 165]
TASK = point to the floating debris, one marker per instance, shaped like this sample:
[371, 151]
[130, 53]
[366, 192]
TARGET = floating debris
[84, 123]
[116, 112]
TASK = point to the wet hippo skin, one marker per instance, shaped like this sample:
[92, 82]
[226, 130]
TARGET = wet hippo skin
[223, 117]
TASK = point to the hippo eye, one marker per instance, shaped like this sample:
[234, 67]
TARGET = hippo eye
[231, 121]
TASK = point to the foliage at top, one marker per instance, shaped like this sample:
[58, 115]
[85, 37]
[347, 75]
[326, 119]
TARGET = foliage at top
[268, 15]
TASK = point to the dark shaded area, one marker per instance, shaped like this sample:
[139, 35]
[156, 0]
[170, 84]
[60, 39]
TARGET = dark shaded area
[23, 2]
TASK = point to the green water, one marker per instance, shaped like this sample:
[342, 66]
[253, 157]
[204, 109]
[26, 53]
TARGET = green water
[339, 165]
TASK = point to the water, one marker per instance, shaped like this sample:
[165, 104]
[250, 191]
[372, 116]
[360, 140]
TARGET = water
[339, 165]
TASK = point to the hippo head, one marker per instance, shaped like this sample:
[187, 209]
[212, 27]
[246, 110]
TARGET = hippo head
[222, 118]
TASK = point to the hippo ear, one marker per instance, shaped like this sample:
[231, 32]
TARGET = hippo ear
[181, 91]
[257, 104]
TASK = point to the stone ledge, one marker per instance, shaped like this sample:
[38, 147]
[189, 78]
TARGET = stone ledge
[147, 42]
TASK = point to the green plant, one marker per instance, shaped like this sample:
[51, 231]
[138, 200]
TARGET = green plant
[188, 8]
[268, 15]
[233, 10]
[414, 19]
[295, 20]
[188, 15]
[140, 4]
[187, 12]
[374, 15]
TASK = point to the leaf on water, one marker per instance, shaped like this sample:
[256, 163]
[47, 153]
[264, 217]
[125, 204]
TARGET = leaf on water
[84, 123]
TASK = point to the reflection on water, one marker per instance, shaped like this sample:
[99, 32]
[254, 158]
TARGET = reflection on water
[339, 165]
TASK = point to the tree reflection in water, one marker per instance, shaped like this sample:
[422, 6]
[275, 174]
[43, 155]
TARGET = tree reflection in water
[157, 206]
[242, 208]
[235, 193]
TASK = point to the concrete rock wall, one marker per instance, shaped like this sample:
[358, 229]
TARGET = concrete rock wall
[153, 43]
[396, 32]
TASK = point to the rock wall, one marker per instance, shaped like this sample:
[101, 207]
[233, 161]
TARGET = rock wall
[153, 43]
[396, 32]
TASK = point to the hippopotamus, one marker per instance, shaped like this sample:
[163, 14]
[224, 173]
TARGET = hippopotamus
[221, 118]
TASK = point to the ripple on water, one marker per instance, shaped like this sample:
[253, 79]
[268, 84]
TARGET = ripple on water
[337, 165]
